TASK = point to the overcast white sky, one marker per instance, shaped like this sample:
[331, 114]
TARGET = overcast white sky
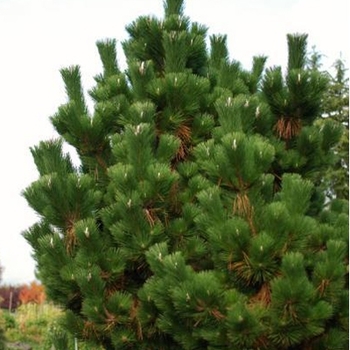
[38, 37]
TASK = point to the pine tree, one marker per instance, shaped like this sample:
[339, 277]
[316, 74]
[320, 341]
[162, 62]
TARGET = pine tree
[336, 106]
[195, 219]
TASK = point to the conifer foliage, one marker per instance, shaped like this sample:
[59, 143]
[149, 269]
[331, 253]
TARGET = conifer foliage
[336, 107]
[194, 220]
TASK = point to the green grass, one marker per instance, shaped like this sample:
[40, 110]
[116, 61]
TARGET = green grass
[37, 326]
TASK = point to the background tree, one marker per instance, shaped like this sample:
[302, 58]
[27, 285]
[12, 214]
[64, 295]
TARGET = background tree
[9, 297]
[336, 106]
[194, 220]
[33, 293]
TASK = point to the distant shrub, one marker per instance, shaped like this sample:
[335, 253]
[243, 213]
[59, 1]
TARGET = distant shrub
[9, 320]
[2, 340]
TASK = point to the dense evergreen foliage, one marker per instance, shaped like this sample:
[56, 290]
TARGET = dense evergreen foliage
[197, 218]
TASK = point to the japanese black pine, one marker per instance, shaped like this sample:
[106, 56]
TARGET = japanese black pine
[195, 218]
